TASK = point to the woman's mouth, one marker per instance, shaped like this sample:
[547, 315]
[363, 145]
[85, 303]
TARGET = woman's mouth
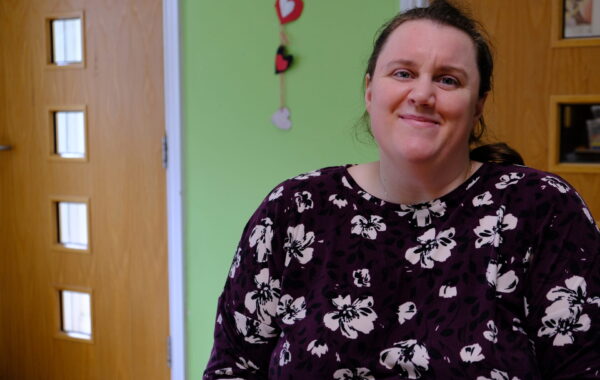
[419, 121]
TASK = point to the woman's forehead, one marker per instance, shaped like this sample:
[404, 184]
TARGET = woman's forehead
[418, 40]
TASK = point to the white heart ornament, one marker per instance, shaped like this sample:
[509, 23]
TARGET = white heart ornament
[281, 119]
[287, 7]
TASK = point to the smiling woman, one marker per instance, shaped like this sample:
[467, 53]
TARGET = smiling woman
[423, 101]
[435, 262]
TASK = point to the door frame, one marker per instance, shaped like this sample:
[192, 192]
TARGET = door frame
[175, 216]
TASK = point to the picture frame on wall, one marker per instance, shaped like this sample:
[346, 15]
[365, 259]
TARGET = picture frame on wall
[574, 135]
[576, 23]
[581, 18]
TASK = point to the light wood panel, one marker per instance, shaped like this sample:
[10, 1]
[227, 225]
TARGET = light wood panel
[126, 269]
[529, 70]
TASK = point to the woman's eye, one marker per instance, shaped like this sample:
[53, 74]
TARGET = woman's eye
[448, 81]
[402, 74]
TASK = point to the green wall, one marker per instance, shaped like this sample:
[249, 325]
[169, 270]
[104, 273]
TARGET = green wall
[233, 156]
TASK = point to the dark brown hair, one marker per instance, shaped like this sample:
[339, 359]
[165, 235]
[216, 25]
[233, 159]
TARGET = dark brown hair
[443, 12]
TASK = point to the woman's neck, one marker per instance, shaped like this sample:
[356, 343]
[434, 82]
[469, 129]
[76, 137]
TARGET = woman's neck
[410, 183]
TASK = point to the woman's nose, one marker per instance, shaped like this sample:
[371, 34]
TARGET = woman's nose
[422, 93]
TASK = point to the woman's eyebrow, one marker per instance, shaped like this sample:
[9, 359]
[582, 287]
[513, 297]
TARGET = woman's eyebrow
[444, 68]
[403, 62]
[450, 68]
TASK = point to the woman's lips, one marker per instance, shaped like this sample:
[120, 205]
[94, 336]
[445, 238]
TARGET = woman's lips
[419, 121]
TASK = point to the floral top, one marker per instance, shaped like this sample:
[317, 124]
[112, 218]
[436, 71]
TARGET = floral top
[499, 279]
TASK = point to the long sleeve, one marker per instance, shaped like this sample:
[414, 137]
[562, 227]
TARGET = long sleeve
[563, 293]
[245, 328]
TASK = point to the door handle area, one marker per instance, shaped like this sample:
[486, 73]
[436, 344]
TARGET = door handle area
[5, 147]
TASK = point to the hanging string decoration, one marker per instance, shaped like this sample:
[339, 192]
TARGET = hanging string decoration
[287, 11]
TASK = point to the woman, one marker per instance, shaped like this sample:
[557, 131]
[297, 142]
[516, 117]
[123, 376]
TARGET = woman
[435, 262]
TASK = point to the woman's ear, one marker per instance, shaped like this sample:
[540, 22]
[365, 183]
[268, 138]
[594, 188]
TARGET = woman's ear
[367, 91]
[479, 106]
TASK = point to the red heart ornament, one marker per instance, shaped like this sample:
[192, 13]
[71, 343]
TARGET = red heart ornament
[283, 61]
[288, 10]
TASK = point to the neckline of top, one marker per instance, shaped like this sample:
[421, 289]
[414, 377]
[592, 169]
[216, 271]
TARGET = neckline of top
[465, 185]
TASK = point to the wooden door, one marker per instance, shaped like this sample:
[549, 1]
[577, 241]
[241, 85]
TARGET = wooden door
[528, 72]
[121, 181]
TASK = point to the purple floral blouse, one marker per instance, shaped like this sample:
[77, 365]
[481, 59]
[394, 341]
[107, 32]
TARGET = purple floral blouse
[499, 279]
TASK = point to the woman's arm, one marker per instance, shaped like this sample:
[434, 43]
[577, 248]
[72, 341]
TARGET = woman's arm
[245, 328]
[563, 292]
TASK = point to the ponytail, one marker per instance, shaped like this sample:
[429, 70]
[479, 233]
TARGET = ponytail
[499, 153]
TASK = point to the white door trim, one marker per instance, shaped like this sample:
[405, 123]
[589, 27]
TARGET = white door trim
[173, 121]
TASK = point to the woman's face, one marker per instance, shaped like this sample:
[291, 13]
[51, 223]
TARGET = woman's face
[423, 96]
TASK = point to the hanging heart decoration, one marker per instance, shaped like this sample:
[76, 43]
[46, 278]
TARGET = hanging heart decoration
[281, 118]
[283, 61]
[288, 10]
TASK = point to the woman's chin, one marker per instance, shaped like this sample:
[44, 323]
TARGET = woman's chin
[415, 153]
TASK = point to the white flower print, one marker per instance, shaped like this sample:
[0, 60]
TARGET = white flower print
[594, 301]
[406, 311]
[346, 183]
[562, 327]
[367, 228]
[496, 374]
[303, 201]
[246, 365]
[432, 248]
[317, 347]
[572, 296]
[490, 228]
[473, 182]
[297, 245]
[556, 183]
[264, 299]
[278, 192]
[588, 215]
[492, 333]
[351, 317]
[353, 374]
[365, 195]
[314, 173]
[338, 201]
[227, 371]
[285, 356]
[527, 257]
[252, 330]
[518, 326]
[484, 199]
[509, 179]
[261, 237]
[565, 315]
[504, 282]
[411, 358]
[447, 291]
[423, 212]
[362, 278]
[236, 263]
[472, 353]
[291, 310]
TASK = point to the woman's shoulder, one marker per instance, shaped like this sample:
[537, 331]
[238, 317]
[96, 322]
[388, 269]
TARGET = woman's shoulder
[327, 177]
[529, 188]
[505, 176]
